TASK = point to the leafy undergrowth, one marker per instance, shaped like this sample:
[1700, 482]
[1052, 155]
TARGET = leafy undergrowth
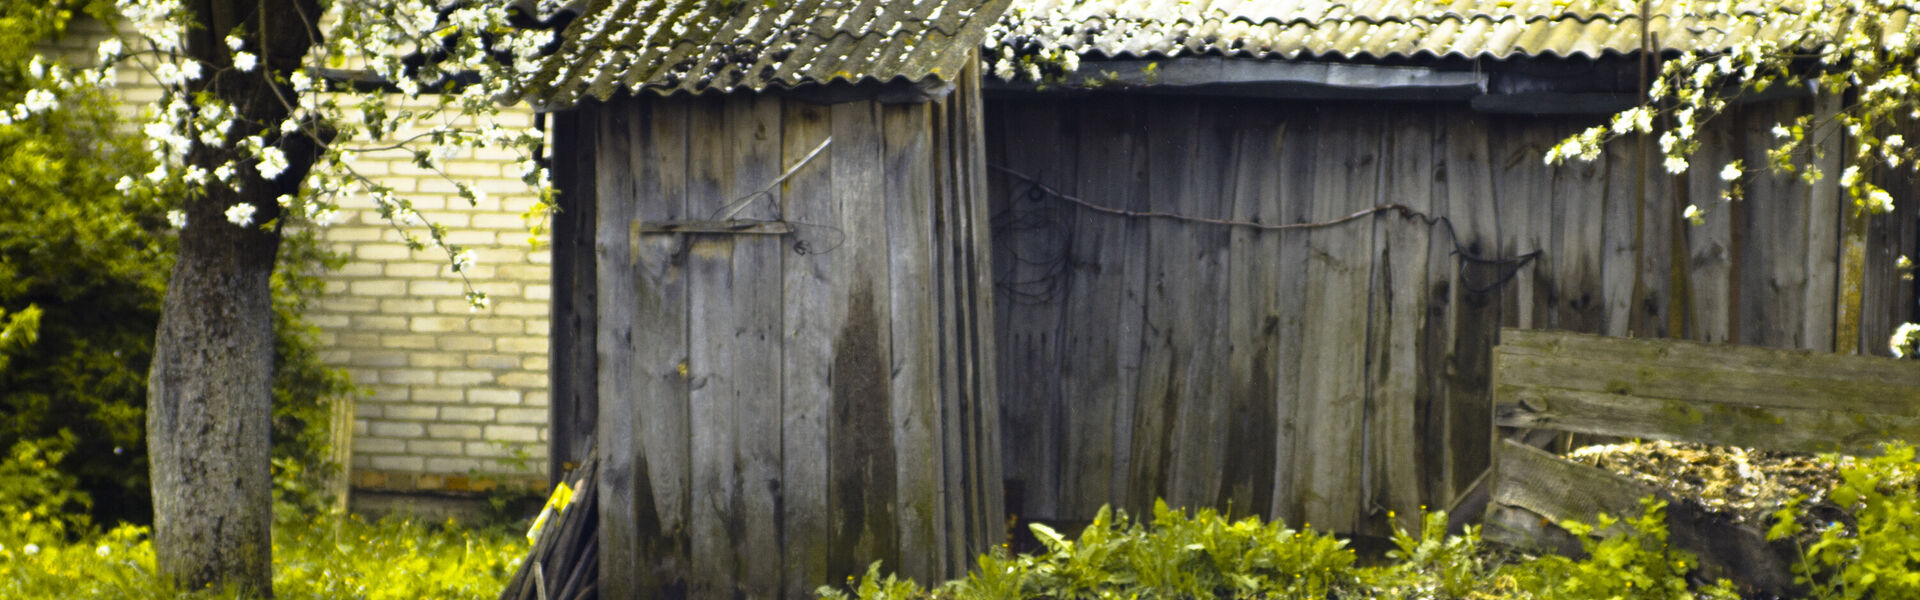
[344, 558]
[1868, 549]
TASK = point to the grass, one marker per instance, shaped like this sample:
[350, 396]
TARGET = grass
[344, 558]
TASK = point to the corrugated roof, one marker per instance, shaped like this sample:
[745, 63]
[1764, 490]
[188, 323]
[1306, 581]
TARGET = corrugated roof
[1385, 29]
[668, 46]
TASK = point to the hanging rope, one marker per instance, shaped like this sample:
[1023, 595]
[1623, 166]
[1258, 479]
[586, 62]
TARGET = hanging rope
[1036, 191]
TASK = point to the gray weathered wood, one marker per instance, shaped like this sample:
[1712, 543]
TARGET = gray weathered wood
[1710, 243]
[1169, 249]
[574, 401]
[616, 286]
[916, 400]
[1475, 221]
[1825, 207]
[1399, 314]
[1198, 325]
[985, 515]
[657, 399]
[1253, 327]
[1619, 256]
[753, 133]
[1028, 240]
[711, 370]
[813, 312]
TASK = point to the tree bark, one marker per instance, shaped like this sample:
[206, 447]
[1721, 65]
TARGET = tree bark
[210, 396]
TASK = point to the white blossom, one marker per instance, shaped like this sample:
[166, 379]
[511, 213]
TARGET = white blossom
[272, 163]
[40, 101]
[240, 214]
[177, 218]
[1676, 165]
[1901, 343]
[1731, 171]
[31, 549]
[110, 49]
[104, 550]
[245, 61]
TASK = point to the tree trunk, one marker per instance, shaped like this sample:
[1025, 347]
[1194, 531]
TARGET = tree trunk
[209, 408]
[210, 394]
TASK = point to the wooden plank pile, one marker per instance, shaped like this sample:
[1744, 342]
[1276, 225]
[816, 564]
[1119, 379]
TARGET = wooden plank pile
[1683, 392]
[564, 561]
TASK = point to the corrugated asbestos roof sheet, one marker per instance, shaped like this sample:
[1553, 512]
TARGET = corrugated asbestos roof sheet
[668, 46]
[1384, 29]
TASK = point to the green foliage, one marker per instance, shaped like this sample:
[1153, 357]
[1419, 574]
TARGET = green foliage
[1879, 555]
[18, 332]
[38, 503]
[313, 559]
[1435, 565]
[1632, 561]
[90, 264]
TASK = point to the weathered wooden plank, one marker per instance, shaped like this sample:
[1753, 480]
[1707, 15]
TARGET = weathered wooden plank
[728, 227]
[1333, 375]
[711, 370]
[1654, 298]
[1398, 308]
[1198, 328]
[955, 500]
[1106, 284]
[1886, 297]
[1172, 135]
[753, 132]
[1710, 244]
[862, 474]
[1772, 264]
[813, 313]
[1515, 150]
[1030, 257]
[1701, 421]
[1252, 331]
[1294, 165]
[574, 402]
[1436, 340]
[1470, 197]
[661, 350]
[1557, 490]
[1684, 381]
[1619, 252]
[1580, 197]
[615, 280]
[987, 499]
[1882, 376]
[916, 400]
[1823, 267]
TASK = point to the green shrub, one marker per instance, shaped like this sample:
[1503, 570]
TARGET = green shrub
[1874, 550]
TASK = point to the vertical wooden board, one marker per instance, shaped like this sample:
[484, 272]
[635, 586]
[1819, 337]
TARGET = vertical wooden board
[1398, 310]
[987, 510]
[1471, 206]
[1540, 298]
[1886, 299]
[1826, 207]
[660, 411]
[1253, 321]
[916, 400]
[710, 346]
[1654, 298]
[1102, 327]
[1710, 244]
[1333, 372]
[754, 139]
[1172, 136]
[1619, 257]
[1296, 164]
[615, 285]
[862, 475]
[1515, 157]
[1200, 281]
[1580, 196]
[573, 379]
[1772, 261]
[1032, 265]
[1442, 315]
[953, 450]
[812, 313]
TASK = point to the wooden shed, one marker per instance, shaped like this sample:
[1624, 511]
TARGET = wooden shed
[771, 290]
[1201, 298]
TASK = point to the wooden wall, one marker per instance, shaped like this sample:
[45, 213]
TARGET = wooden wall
[1337, 375]
[773, 411]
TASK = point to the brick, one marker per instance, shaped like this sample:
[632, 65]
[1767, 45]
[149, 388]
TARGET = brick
[414, 270]
[467, 413]
[359, 427]
[465, 342]
[493, 396]
[526, 272]
[538, 326]
[536, 398]
[434, 447]
[438, 324]
[452, 465]
[494, 361]
[436, 288]
[363, 376]
[524, 380]
[361, 268]
[327, 321]
[513, 433]
[406, 376]
[378, 287]
[333, 287]
[364, 411]
[379, 323]
[406, 305]
[522, 309]
[389, 393]
[346, 304]
[527, 344]
[440, 395]
[492, 449]
[411, 412]
[496, 325]
[433, 360]
[358, 340]
[460, 431]
[461, 378]
[540, 291]
[395, 429]
[535, 363]
[408, 341]
[382, 252]
[523, 416]
[378, 358]
[399, 463]
[541, 257]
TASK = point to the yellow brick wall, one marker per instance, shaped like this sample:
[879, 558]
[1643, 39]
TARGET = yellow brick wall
[453, 392]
